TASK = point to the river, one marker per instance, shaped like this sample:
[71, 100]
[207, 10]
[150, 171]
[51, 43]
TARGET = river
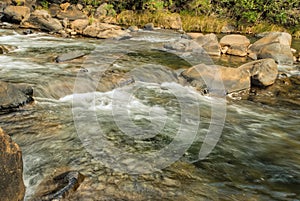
[141, 141]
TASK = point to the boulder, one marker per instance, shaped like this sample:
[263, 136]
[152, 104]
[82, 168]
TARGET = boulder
[194, 35]
[41, 19]
[235, 44]
[228, 29]
[263, 72]
[54, 9]
[284, 93]
[79, 25]
[104, 31]
[72, 13]
[210, 44]
[4, 49]
[14, 95]
[69, 56]
[149, 26]
[59, 186]
[16, 13]
[217, 80]
[183, 45]
[276, 45]
[101, 10]
[12, 187]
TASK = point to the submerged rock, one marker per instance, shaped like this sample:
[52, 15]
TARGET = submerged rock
[59, 186]
[69, 56]
[275, 45]
[13, 96]
[285, 92]
[12, 187]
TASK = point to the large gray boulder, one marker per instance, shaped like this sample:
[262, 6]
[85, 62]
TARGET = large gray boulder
[12, 187]
[263, 72]
[14, 95]
[235, 44]
[41, 19]
[16, 13]
[275, 45]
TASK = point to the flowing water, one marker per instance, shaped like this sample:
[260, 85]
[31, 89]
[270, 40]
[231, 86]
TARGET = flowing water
[141, 141]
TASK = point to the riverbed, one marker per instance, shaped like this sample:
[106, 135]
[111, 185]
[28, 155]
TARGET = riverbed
[142, 139]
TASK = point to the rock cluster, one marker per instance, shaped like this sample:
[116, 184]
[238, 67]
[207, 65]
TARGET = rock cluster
[275, 45]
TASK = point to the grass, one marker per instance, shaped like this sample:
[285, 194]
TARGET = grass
[191, 23]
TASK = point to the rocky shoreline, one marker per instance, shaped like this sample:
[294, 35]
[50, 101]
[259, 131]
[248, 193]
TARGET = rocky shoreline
[258, 81]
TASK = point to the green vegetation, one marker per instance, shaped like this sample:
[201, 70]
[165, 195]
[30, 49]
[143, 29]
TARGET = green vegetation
[210, 15]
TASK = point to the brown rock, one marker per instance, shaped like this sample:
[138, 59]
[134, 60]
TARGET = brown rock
[217, 80]
[263, 72]
[41, 19]
[194, 35]
[274, 45]
[14, 95]
[236, 44]
[79, 25]
[103, 30]
[71, 13]
[12, 187]
[16, 13]
[210, 44]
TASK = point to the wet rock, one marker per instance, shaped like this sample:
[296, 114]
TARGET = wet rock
[284, 93]
[16, 13]
[4, 49]
[41, 19]
[263, 72]
[149, 26]
[59, 186]
[72, 13]
[69, 56]
[235, 44]
[210, 44]
[217, 80]
[133, 28]
[104, 31]
[13, 96]
[12, 187]
[276, 45]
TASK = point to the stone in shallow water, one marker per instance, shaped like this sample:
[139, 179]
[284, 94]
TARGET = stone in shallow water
[69, 56]
[13, 96]
[11, 170]
[59, 186]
